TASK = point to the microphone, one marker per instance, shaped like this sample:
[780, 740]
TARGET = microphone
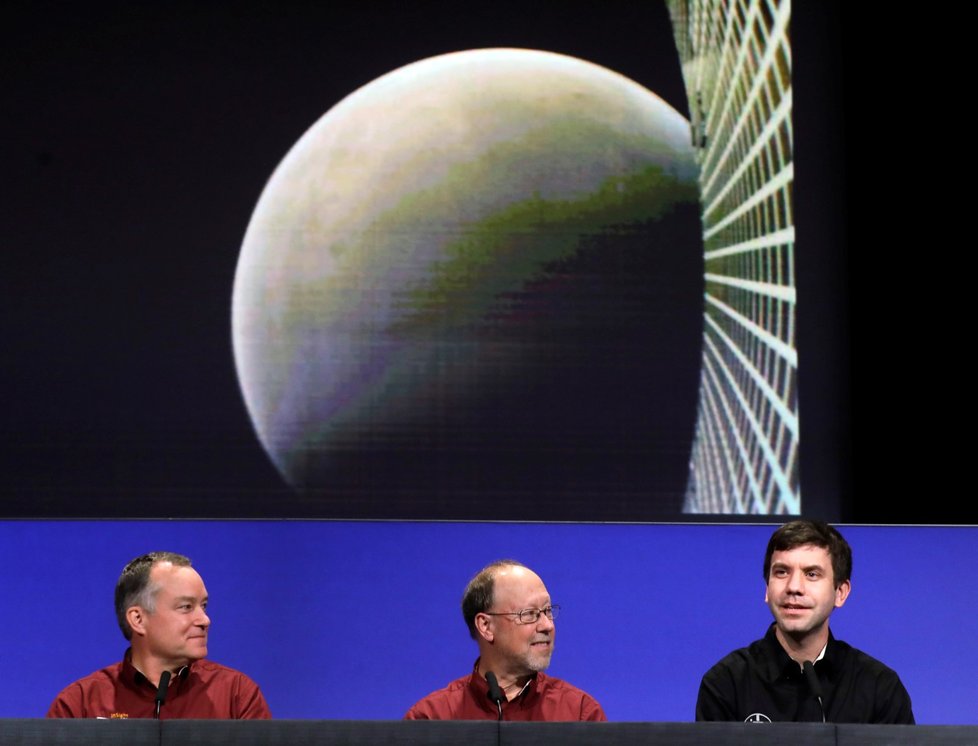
[495, 693]
[814, 684]
[161, 693]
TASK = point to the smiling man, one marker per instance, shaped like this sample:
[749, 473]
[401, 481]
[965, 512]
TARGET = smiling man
[161, 607]
[799, 671]
[510, 616]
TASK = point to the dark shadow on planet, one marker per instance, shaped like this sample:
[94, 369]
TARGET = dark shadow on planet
[576, 398]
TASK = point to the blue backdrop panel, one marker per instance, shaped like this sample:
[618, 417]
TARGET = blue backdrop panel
[357, 620]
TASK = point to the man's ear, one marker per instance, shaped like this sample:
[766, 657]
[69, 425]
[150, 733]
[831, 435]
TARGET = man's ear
[136, 616]
[842, 593]
[483, 626]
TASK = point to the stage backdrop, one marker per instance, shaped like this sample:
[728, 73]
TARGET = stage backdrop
[358, 620]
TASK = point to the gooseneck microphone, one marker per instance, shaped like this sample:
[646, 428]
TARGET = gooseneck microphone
[495, 693]
[161, 692]
[814, 684]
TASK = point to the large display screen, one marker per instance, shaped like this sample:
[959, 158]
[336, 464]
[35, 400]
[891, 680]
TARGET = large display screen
[406, 262]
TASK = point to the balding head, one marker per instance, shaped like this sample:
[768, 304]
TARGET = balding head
[479, 594]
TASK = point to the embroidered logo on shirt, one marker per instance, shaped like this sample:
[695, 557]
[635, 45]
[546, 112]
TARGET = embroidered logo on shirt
[119, 716]
[757, 717]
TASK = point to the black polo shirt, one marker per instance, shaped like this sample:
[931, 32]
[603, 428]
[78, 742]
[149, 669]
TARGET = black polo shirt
[761, 683]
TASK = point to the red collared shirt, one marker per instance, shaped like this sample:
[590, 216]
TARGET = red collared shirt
[204, 690]
[543, 699]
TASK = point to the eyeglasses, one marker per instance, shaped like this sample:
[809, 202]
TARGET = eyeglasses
[528, 616]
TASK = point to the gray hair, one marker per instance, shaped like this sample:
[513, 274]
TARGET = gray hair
[135, 589]
[479, 593]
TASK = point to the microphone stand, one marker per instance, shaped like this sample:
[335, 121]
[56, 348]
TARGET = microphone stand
[496, 695]
[814, 684]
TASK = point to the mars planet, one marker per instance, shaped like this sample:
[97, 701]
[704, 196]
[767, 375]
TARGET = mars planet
[476, 279]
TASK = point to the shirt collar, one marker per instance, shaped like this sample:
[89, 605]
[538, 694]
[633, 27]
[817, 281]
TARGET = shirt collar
[480, 689]
[133, 674]
[779, 664]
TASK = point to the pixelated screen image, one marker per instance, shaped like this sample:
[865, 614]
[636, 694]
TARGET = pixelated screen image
[389, 262]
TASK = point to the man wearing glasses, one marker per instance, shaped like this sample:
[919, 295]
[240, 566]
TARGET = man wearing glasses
[509, 614]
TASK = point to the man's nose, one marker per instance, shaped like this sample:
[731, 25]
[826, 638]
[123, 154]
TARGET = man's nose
[545, 622]
[794, 584]
[203, 620]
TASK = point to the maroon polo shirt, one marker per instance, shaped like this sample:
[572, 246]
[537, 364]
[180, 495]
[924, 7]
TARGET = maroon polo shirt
[204, 690]
[543, 699]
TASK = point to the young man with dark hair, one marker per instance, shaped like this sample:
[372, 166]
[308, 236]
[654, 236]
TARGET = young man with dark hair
[799, 671]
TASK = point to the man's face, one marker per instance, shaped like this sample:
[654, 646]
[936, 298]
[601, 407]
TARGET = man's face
[801, 590]
[520, 649]
[176, 631]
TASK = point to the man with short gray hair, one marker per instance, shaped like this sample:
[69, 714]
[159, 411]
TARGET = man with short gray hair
[509, 614]
[161, 607]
